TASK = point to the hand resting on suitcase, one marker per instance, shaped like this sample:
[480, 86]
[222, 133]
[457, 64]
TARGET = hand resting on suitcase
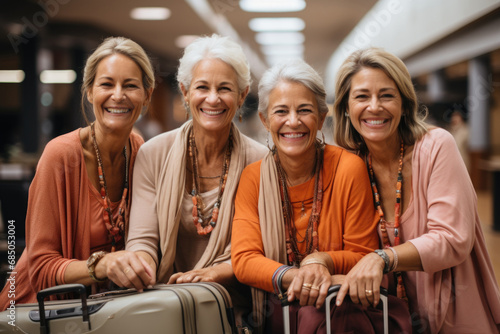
[310, 283]
[127, 269]
[221, 273]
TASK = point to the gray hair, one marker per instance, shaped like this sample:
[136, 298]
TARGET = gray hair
[294, 70]
[214, 47]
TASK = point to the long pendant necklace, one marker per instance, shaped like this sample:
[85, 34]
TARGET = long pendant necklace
[116, 229]
[205, 225]
[397, 217]
[311, 236]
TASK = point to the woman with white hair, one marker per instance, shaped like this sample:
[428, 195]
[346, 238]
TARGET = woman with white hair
[304, 212]
[186, 179]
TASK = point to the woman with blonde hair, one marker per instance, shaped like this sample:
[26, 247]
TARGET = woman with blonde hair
[430, 233]
[79, 200]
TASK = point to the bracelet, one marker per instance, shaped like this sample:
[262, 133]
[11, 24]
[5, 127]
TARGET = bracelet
[313, 261]
[277, 278]
[385, 257]
[395, 262]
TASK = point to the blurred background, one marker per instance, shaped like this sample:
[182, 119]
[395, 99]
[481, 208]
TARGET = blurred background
[451, 47]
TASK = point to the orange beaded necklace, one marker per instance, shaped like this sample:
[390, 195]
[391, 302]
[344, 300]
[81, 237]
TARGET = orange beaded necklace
[116, 229]
[397, 217]
[205, 225]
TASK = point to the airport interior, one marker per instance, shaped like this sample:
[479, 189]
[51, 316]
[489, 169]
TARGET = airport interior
[451, 48]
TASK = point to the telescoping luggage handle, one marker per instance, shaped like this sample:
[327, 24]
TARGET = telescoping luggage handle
[332, 293]
[67, 288]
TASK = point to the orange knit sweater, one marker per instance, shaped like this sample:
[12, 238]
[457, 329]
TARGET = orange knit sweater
[347, 226]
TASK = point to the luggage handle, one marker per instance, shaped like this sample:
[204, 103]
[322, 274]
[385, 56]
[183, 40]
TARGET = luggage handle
[66, 288]
[332, 293]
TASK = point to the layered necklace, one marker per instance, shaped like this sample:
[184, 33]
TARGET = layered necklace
[295, 256]
[205, 224]
[401, 292]
[116, 229]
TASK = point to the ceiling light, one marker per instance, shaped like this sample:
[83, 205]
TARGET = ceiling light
[294, 49]
[150, 13]
[279, 38]
[185, 40]
[277, 24]
[14, 76]
[272, 5]
[58, 77]
[273, 60]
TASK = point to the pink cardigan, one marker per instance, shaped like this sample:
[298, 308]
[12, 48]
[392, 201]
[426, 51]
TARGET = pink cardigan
[457, 292]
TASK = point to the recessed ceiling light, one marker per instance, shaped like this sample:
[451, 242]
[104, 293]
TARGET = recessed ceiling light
[14, 76]
[279, 38]
[277, 24]
[271, 50]
[185, 40]
[150, 13]
[58, 77]
[272, 5]
[273, 60]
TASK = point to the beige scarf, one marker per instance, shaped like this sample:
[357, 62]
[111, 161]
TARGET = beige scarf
[170, 193]
[272, 228]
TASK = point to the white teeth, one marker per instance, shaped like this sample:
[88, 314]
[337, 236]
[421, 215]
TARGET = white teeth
[213, 112]
[117, 111]
[375, 122]
[293, 135]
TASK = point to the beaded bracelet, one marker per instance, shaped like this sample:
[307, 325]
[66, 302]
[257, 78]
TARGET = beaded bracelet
[395, 262]
[313, 261]
[277, 278]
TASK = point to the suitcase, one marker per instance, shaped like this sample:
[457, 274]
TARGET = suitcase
[332, 293]
[167, 308]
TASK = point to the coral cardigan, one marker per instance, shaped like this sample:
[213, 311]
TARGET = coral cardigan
[346, 229]
[58, 221]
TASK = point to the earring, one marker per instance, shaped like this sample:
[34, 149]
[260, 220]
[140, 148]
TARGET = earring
[241, 115]
[323, 138]
[267, 141]
[346, 114]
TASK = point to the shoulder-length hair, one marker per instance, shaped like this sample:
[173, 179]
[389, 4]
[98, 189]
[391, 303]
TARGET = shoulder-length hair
[411, 127]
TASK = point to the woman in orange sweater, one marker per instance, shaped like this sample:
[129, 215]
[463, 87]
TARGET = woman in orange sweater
[304, 212]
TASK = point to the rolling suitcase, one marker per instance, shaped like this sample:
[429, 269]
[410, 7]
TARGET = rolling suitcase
[176, 308]
[332, 293]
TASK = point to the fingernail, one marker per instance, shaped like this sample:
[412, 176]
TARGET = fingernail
[150, 286]
[337, 302]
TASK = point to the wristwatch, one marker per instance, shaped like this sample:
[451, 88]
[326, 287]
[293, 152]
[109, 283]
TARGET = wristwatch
[384, 257]
[92, 262]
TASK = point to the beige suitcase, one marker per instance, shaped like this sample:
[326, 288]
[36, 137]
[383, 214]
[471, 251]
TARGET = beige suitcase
[179, 308]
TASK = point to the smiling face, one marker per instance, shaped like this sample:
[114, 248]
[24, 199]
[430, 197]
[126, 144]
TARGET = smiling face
[293, 119]
[117, 94]
[213, 96]
[375, 106]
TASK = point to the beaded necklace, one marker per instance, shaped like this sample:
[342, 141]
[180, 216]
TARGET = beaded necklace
[205, 225]
[311, 235]
[116, 229]
[401, 292]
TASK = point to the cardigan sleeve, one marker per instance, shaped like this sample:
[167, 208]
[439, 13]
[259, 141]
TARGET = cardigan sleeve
[250, 264]
[445, 188]
[52, 211]
[352, 197]
[143, 227]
